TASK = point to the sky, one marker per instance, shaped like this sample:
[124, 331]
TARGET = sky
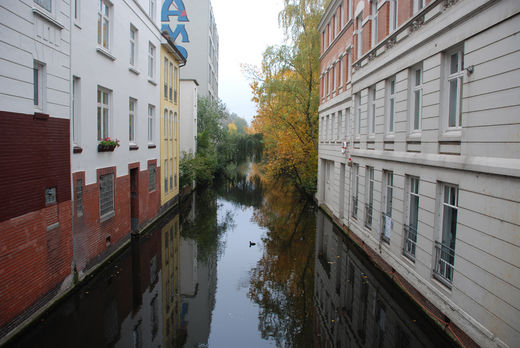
[245, 29]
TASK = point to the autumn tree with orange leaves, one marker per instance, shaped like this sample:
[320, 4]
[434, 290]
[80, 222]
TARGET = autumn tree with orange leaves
[286, 92]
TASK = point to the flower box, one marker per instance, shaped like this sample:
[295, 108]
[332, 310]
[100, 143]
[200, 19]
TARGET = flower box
[107, 145]
[105, 148]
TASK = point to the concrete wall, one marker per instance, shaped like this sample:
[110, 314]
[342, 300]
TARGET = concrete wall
[480, 157]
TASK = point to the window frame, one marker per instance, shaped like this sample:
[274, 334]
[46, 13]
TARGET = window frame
[152, 175]
[372, 110]
[151, 60]
[412, 187]
[416, 96]
[42, 6]
[393, 16]
[457, 76]
[133, 46]
[76, 110]
[369, 196]
[103, 127]
[355, 190]
[132, 117]
[102, 17]
[391, 102]
[151, 116]
[39, 86]
[374, 23]
[111, 203]
[359, 44]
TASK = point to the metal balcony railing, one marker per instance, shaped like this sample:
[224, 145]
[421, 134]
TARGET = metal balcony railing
[410, 241]
[444, 263]
[384, 237]
[368, 215]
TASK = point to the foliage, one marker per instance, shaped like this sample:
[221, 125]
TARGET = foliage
[286, 92]
[222, 143]
[109, 142]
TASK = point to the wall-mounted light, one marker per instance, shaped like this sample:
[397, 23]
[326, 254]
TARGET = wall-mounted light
[470, 69]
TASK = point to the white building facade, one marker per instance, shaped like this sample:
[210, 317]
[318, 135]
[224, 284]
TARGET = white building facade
[192, 26]
[189, 92]
[419, 149]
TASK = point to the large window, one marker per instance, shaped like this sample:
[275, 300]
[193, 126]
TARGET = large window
[373, 6]
[165, 124]
[416, 77]
[418, 5]
[347, 123]
[359, 36]
[103, 28]
[357, 102]
[369, 196]
[38, 85]
[103, 113]
[165, 176]
[151, 9]
[171, 81]
[388, 192]
[131, 119]
[355, 189]
[445, 250]
[151, 116]
[175, 78]
[372, 110]
[392, 18]
[106, 195]
[165, 77]
[133, 45]
[46, 4]
[454, 63]
[412, 200]
[390, 108]
[151, 60]
[339, 134]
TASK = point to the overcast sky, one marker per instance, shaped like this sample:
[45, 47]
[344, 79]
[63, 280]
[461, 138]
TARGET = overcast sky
[245, 29]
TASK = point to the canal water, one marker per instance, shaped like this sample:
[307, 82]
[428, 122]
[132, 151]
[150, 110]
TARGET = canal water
[244, 264]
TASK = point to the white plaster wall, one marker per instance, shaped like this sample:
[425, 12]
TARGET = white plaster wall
[97, 69]
[485, 295]
[26, 36]
[188, 116]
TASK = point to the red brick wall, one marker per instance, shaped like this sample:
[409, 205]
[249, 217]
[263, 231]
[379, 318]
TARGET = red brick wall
[90, 234]
[34, 155]
[33, 260]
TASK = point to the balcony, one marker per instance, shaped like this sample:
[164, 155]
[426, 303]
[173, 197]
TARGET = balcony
[410, 242]
[444, 263]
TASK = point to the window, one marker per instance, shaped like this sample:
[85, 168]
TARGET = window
[357, 102]
[332, 124]
[392, 19]
[79, 198]
[334, 77]
[454, 63]
[373, 6]
[349, 9]
[341, 73]
[131, 119]
[390, 109]
[340, 125]
[151, 60]
[103, 113]
[50, 195]
[369, 196]
[418, 5]
[445, 250]
[171, 174]
[151, 116]
[334, 27]
[176, 74]
[133, 45]
[410, 240]
[355, 189]
[106, 195]
[416, 78]
[341, 17]
[77, 10]
[349, 65]
[151, 177]
[347, 123]
[165, 125]
[171, 80]
[103, 24]
[359, 36]
[386, 216]
[372, 110]
[151, 9]
[170, 124]
[76, 108]
[39, 89]
[165, 176]
[175, 126]
[46, 4]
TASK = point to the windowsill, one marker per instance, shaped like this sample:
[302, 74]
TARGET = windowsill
[107, 216]
[45, 15]
[152, 146]
[134, 70]
[53, 226]
[133, 147]
[38, 115]
[414, 137]
[104, 52]
[451, 135]
[77, 24]
[152, 82]
[440, 280]
[390, 137]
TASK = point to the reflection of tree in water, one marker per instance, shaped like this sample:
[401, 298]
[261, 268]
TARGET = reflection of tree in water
[244, 190]
[205, 228]
[282, 281]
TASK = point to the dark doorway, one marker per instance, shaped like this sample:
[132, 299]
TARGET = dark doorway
[134, 197]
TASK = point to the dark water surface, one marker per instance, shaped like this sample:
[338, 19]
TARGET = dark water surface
[194, 280]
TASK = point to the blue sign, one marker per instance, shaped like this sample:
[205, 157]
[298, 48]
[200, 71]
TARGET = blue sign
[177, 10]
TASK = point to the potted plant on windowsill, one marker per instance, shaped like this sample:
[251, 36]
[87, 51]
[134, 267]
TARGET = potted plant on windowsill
[107, 144]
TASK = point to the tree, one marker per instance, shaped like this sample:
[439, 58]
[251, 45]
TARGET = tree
[286, 91]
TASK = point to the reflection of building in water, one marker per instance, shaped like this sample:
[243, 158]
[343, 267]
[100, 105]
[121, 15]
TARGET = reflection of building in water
[353, 308]
[170, 238]
[199, 299]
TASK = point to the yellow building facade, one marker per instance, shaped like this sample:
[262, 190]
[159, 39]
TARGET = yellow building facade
[171, 62]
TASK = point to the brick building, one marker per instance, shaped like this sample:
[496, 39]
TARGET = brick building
[418, 150]
[35, 216]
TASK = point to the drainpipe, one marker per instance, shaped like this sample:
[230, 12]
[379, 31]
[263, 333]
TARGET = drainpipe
[72, 200]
